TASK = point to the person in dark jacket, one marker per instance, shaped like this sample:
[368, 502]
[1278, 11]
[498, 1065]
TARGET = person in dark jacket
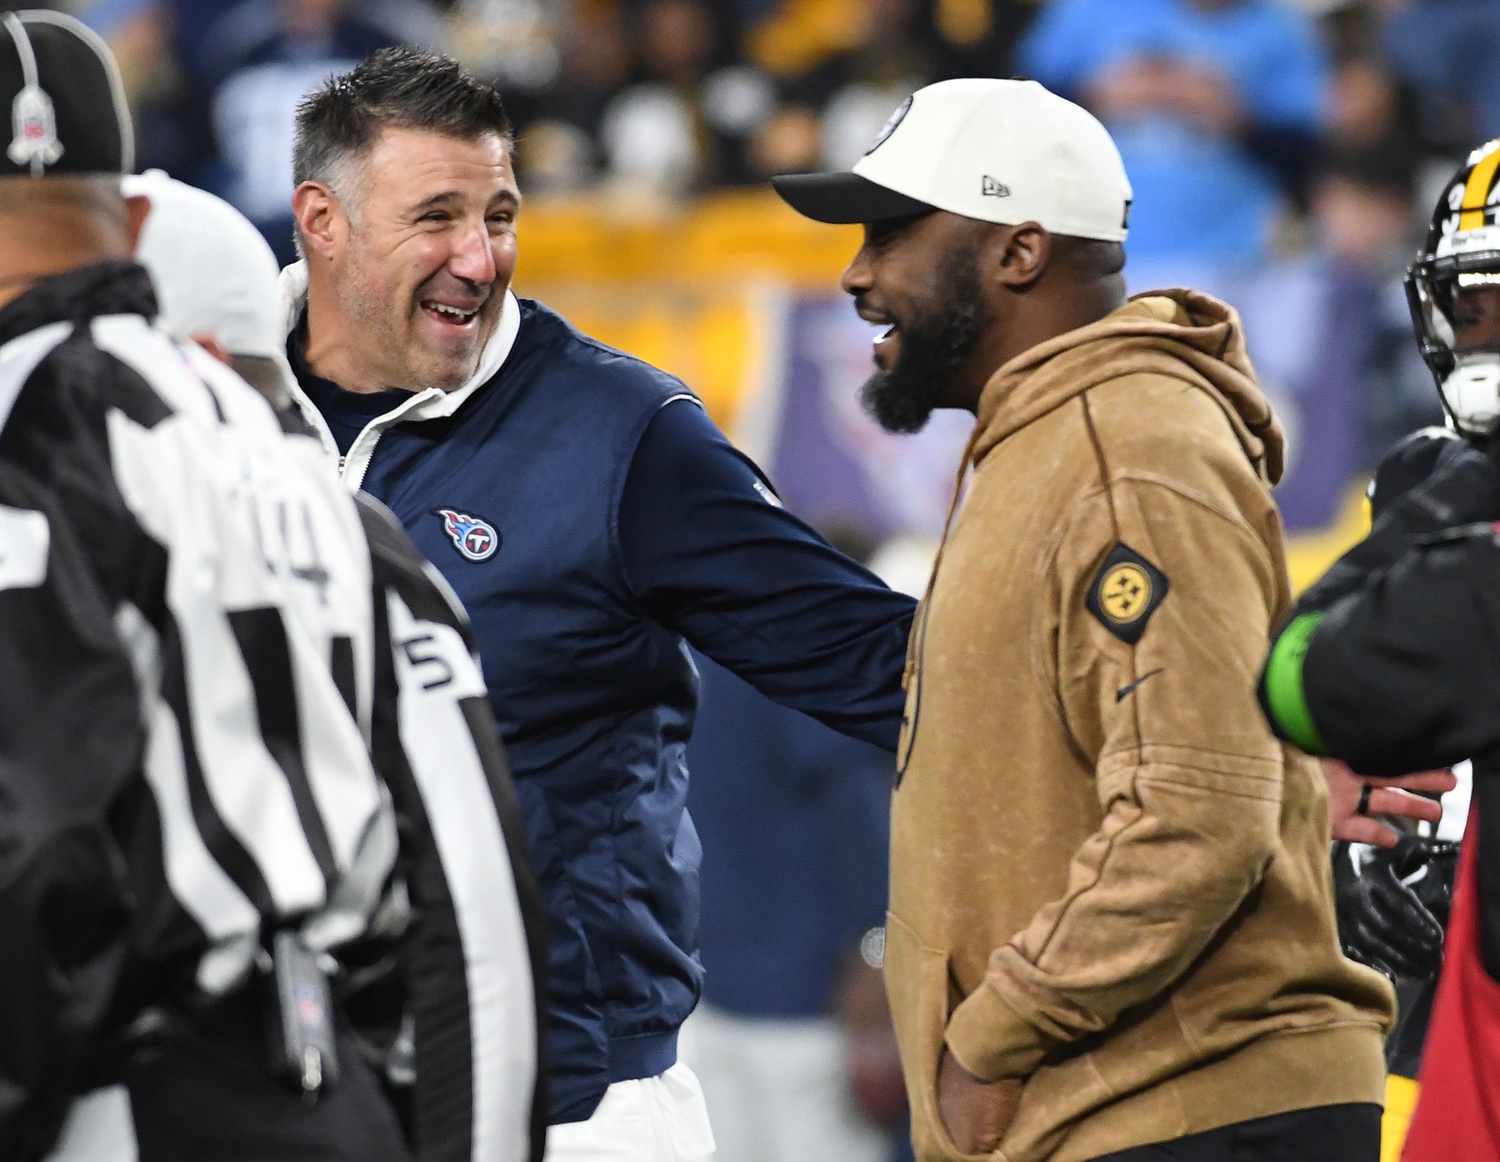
[591, 517]
[1390, 661]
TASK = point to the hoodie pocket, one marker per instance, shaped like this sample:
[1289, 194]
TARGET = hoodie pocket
[916, 981]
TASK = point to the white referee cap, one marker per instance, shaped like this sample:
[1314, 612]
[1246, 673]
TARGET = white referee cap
[214, 274]
[999, 151]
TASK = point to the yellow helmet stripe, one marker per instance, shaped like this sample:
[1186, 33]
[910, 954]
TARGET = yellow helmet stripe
[1477, 191]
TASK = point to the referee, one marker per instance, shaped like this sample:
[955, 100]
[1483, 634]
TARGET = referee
[249, 787]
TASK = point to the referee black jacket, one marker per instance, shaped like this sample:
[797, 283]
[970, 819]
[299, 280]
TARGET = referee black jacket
[233, 700]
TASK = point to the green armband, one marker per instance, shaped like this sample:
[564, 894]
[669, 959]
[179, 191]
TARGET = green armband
[1285, 699]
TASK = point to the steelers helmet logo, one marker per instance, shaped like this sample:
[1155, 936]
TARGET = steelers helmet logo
[1126, 592]
[890, 126]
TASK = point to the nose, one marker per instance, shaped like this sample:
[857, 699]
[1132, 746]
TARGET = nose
[473, 258]
[858, 277]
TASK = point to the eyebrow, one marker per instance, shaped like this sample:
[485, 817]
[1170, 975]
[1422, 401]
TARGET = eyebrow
[884, 229]
[445, 197]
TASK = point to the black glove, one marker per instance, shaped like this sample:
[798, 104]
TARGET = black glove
[1394, 927]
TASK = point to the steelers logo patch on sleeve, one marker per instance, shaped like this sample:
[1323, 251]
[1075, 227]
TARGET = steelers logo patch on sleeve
[1126, 593]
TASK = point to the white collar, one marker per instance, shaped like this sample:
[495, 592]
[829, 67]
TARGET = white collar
[427, 404]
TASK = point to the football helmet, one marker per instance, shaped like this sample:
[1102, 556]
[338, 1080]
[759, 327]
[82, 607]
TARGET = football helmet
[1462, 252]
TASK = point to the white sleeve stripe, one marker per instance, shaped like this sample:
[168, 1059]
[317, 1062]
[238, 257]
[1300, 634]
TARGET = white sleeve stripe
[335, 758]
[247, 787]
[197, 881]
[471, 845]
[247, 790]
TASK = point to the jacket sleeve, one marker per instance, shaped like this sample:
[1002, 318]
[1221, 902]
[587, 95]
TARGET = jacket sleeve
[475, 965]
[1188, 778]
[70, 746]
[1399, 675]
[710, 552]
[1445, 521]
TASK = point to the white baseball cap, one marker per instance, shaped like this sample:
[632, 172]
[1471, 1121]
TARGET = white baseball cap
[214, 274]
[998, 151]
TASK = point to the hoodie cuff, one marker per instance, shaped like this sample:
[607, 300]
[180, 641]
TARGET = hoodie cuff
[991, 1040]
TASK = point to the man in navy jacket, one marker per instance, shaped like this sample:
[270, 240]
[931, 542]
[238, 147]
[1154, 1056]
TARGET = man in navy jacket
[591, 518]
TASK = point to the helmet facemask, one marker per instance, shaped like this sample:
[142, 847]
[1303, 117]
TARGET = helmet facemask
[1467, 374]
[1453, 290]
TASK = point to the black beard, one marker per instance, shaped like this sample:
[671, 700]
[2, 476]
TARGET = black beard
[933, 349]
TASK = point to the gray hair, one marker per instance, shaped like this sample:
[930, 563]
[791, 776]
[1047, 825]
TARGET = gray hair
[396, 88]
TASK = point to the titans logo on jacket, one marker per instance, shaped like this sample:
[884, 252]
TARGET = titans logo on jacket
[476, 539]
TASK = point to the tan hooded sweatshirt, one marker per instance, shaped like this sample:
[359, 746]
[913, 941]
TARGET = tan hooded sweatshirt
[1108, 877]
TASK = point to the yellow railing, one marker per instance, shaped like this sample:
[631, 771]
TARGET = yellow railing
[736, 235]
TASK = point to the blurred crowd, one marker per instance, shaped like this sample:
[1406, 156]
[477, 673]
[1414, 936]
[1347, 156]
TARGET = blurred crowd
[1256, 132]
[1230, 112]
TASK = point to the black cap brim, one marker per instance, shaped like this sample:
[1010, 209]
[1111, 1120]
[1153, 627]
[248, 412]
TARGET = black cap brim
[844, 198]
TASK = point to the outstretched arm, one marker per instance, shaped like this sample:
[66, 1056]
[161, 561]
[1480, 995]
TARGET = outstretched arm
[1403, 601]
[1398, 673]
[709, 550]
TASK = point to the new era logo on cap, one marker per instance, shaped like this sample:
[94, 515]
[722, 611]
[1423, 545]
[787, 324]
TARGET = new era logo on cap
[943, 150]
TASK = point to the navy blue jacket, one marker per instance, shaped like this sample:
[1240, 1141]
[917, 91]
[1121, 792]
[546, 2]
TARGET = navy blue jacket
[795, 820]
[590, 518]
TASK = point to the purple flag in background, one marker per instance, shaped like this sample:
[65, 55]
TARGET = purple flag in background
[831, 461]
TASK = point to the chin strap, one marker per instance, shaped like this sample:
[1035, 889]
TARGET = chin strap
[1471, 392]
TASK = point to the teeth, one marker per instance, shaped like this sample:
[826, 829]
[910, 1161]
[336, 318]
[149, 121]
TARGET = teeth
[451, 312]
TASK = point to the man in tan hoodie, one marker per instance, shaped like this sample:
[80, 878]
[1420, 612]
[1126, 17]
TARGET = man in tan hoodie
[1111, 911]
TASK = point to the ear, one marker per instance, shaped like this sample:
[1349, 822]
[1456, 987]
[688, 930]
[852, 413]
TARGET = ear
[137, 209]
[320, 218]
[212, 346]
[1023, 255]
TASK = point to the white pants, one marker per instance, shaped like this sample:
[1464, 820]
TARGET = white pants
[778, 1090]
[656, 1119]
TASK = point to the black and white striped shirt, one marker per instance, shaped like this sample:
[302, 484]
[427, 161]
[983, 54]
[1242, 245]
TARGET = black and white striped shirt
[232, 700]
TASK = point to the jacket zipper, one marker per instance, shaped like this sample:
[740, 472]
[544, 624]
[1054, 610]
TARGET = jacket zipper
[361, 456]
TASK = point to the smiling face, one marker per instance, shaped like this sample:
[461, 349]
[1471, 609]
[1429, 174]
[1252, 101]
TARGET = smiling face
[406, 284]
[919, 278]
